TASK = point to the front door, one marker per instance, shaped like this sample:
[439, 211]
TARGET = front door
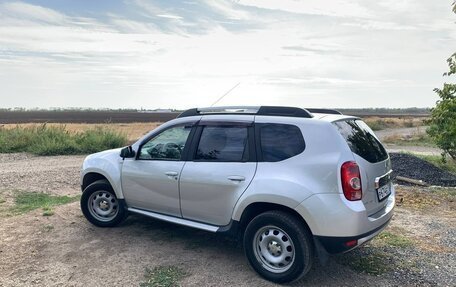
[221, 169]
[151, 181]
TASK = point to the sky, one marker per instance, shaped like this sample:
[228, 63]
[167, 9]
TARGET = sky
[183, 54]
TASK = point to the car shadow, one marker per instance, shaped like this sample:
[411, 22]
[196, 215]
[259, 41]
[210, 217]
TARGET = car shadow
[230, 249]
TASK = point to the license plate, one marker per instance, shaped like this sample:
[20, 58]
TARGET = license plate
[383, 192]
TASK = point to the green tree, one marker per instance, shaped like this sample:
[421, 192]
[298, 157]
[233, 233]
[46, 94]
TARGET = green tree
[443, 117]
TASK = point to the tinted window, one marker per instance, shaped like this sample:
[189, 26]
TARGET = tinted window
[167, 145]
[361, 140]
[223, 143]
[279, 142]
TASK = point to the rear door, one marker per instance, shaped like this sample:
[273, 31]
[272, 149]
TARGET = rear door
[373, 160]
[222, 166]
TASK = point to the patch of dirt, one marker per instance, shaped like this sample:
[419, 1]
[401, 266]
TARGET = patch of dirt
[53, 174]
[421, 150]
[404, 132]
[66, 250]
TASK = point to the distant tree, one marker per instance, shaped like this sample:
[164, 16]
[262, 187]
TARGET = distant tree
[443, 117]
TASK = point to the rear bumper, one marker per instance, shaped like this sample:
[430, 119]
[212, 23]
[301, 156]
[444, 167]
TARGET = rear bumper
[343, 244]
[335, 222]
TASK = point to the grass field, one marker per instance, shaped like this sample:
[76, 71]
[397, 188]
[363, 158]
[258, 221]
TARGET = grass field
[61, 137]
[58, 140]
[132, 131]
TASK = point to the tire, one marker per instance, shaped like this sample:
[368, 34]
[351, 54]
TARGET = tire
[100, 205]
[278, 246]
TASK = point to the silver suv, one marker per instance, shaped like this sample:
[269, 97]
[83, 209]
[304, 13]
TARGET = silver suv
[291, 183]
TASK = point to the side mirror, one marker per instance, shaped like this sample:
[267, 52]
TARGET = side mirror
[127, 152]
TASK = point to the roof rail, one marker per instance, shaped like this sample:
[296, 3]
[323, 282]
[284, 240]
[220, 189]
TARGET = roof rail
[324, 111]
[249, 110]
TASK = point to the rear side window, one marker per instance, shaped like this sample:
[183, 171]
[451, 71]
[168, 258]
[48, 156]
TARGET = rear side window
[279, 142]
[223, 143]
[361, 140]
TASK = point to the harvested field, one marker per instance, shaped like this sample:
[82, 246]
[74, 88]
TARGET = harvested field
[98, 117]
[63, 249]
[11, 117]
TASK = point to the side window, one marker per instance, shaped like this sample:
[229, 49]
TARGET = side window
[223, 143]
[168, 145]
[279, 141]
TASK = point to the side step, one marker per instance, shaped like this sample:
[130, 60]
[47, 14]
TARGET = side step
[176, 220]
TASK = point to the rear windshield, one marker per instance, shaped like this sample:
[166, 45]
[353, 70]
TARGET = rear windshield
[361, 140]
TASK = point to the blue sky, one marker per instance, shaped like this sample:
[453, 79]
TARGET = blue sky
[181, 54]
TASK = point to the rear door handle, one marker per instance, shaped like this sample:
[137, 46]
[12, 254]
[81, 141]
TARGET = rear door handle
[236, 178]
[171, 173]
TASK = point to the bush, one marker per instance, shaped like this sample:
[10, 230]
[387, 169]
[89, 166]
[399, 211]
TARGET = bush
[442, 123]
[45, 140]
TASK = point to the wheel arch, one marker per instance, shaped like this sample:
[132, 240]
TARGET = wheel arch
[94, 175]
[90, 178]
[256, 208]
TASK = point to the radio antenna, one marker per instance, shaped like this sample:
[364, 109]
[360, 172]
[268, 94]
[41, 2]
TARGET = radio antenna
[229, 91]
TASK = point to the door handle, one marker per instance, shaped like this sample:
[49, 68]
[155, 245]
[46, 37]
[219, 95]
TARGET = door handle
[171, 173]
[236, 178]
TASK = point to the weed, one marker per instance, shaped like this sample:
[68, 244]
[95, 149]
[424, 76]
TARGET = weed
[48, 227]
[28, 201]
[163, 276]
[392, 239]
[48, 211]
[374, 263]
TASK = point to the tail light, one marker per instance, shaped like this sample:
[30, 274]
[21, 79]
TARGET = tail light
[351, 181]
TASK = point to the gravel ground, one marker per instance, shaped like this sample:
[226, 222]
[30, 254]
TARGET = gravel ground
[65, 250]
[56, 174]
[413, 167]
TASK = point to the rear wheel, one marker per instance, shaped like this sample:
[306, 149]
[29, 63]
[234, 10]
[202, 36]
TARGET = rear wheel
[278, 246]
[100, 205]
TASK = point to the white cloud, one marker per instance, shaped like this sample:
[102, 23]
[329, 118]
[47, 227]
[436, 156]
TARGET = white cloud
[228, 8]
[32, 12]
[169, 16]
[345, 55]
[340, 8]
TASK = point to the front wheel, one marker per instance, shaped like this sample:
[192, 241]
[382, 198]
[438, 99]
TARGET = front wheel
[100, 205]
[278, 246]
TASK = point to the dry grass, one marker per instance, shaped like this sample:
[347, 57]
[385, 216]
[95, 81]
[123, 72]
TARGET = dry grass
[429, 198]
[133, 130]
[418, 138]
[377, 123]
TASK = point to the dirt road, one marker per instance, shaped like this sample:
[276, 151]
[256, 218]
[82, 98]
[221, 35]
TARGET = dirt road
[407, 132]
[65, 250]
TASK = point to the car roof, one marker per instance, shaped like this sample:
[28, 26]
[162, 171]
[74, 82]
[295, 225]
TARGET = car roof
[332, 117]
[281, 111]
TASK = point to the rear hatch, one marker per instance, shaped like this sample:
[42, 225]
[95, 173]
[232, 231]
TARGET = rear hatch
[373, 161]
